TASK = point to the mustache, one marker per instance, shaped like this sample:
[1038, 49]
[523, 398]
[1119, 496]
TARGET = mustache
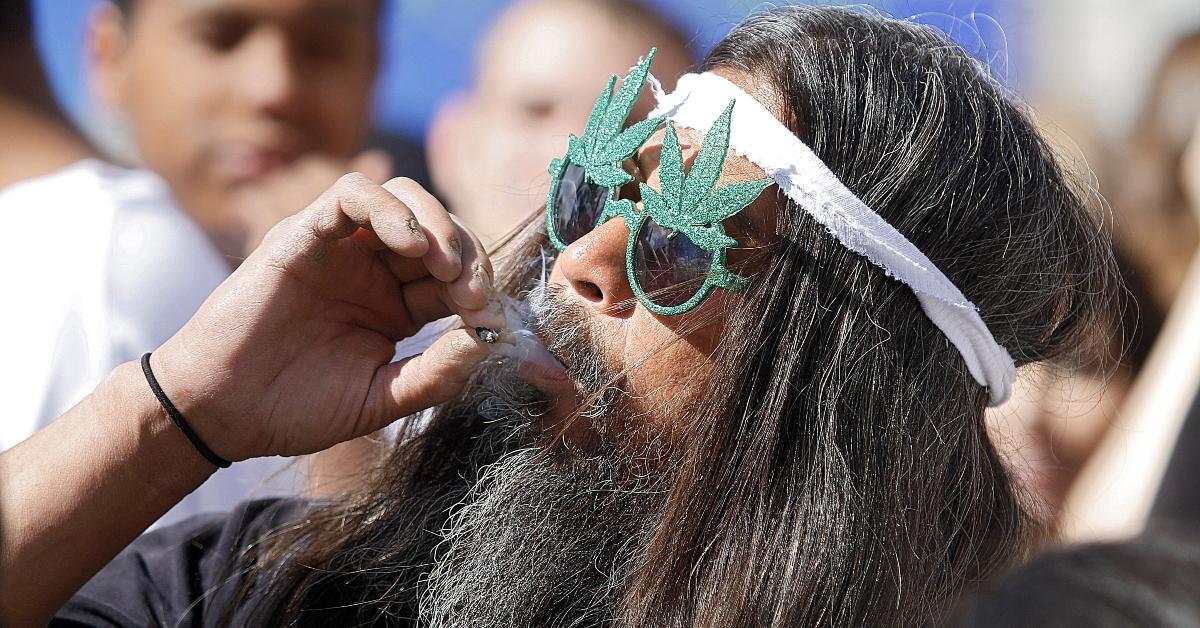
[569, 336]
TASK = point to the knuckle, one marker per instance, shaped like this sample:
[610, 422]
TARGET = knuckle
[352, 181]
[403, 183]
[305, 219]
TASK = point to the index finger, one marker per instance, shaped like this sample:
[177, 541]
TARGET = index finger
[444, 259]
[356, 201]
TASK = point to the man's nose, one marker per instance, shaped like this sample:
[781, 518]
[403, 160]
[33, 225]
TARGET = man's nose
[269, 79]
[594, 267]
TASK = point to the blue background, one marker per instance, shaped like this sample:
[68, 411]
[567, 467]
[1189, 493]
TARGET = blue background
[430, 43]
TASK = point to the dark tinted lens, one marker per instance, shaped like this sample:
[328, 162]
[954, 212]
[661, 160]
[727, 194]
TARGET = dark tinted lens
[577, 204]
[669, 270]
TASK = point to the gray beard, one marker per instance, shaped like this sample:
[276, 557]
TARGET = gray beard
[547, 535]
[539, 542]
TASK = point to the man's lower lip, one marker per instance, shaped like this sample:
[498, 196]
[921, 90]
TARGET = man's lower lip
[546, 380]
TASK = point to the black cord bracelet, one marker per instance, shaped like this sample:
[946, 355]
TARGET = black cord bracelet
[177, 418]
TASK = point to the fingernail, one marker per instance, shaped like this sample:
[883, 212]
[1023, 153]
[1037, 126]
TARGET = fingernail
[456, 249]
[481, 279]
[414, 227]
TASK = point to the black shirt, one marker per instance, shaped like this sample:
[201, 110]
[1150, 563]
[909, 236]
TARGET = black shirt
[184, 575]
[1178, 499]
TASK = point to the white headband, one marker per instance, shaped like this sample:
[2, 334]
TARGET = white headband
[699, 99]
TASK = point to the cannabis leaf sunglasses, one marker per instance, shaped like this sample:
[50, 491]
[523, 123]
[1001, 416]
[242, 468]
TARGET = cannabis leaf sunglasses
[676, 252]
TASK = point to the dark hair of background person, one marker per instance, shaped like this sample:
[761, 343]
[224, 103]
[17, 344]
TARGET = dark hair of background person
[842, 474]
[39, 138]
[16, 21]
[1152, 581]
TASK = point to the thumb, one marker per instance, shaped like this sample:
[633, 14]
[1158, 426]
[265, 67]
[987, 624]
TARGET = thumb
[409, 386]
[374, 163]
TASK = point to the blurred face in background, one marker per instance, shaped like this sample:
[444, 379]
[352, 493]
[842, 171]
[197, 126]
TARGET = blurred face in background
[222, 93]
[538, 74]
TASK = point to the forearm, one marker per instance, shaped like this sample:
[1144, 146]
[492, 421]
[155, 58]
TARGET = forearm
[290, 355]
[77, 492]
[1129, 463]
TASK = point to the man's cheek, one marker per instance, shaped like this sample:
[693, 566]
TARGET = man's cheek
[668, 380]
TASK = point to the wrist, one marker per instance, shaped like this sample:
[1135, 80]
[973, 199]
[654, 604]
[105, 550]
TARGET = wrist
[197, 396]
[126, 400]
[177, 417]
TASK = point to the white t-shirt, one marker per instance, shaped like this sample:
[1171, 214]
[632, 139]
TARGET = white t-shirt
[97, 267]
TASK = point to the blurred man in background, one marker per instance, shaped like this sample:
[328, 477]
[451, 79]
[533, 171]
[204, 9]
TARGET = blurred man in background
[535, 76]
[242, 106]
[99, 266]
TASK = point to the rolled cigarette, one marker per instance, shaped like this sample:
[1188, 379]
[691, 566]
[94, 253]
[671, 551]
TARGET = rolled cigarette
[487, 335]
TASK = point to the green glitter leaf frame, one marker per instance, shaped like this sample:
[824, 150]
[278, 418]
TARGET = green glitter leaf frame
[687, 204]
